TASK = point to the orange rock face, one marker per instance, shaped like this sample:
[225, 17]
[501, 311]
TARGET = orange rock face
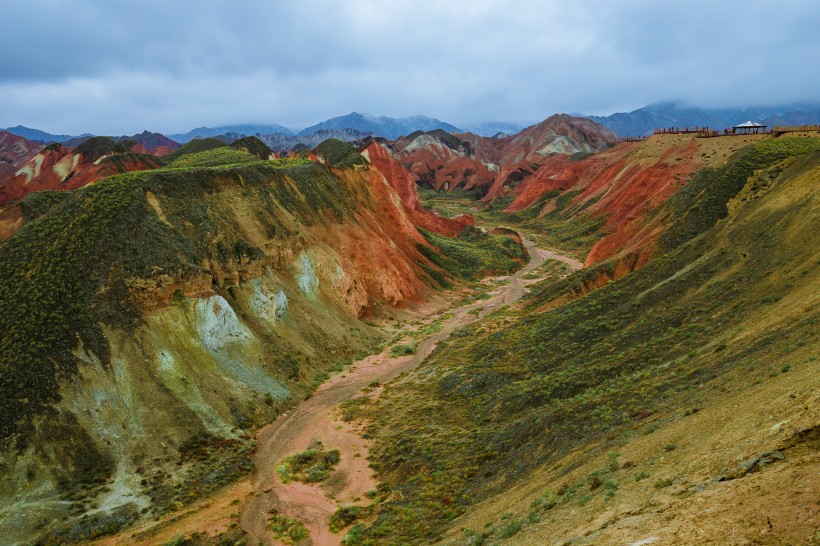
[625, 185]
[385, 170]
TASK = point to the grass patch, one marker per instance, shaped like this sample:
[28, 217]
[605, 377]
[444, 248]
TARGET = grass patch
[473, 254]
[343, 517]
[214, 158]
[354, 409]
[286, 529]
[310, 466]
[403, 349]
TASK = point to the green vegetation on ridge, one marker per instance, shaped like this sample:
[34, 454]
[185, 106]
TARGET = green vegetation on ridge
[213, 158]
[337, 153]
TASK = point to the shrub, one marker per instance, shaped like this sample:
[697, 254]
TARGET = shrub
[343, 517]
[506, 530]
[286, 529]
[310, 466]
[403, 350]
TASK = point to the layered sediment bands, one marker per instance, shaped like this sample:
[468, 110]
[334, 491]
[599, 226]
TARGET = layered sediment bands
[624, 187]
[58, 168]
[444, 161]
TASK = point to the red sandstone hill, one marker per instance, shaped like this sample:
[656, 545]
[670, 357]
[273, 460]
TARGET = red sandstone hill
[15, 150]
[149, 143]
[394, 174]
[55, 167]
[445, 161]
[625, 186]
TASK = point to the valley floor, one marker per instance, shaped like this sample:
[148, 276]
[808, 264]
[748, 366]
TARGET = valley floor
[251, 502]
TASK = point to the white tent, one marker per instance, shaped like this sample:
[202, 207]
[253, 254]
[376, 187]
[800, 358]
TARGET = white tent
[748, 127]
[748, 124]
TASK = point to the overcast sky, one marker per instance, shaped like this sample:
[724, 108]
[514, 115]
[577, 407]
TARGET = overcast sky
[118, 67]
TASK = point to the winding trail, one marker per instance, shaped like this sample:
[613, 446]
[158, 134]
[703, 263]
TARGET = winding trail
[314, 419]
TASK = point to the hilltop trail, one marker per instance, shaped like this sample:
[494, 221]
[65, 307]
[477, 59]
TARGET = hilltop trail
[315, 419]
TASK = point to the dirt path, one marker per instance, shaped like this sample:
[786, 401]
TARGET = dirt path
[314, 419]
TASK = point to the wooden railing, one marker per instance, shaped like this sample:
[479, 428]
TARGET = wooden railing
[780, 129]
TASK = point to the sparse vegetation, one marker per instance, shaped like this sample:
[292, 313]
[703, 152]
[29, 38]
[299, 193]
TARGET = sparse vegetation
[474, 254]
[343, 517]
[310, 466]
[287, 529]
[403, 349]
[217, 157]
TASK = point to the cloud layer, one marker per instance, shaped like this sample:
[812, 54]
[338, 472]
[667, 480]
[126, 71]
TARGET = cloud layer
[120, 67]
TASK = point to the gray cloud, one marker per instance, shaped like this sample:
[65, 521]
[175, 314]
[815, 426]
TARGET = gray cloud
[120, 67]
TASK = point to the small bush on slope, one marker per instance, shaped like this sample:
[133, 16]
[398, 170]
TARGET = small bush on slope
[310, 466]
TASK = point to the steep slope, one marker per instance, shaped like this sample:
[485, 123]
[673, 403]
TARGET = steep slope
[14, 151]
[58, 168]
[14, 148]
[405, 187]
[151, 318]
[253, 146]
[576, 420]
[444, 161]
[617, 193]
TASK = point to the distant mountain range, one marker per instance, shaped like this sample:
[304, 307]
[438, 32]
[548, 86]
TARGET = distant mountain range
[675, 114]
[355, 126]
[246, 130]
[382, 126]
[493, 128]
[41, 136]
[279, 141]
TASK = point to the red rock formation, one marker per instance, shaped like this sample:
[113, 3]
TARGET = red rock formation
[150, 143]
[15, 150]
[386, 170]
[625, 185]
[444, 161]
[57, 168]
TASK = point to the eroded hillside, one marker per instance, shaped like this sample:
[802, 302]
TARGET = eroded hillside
[152, 318]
